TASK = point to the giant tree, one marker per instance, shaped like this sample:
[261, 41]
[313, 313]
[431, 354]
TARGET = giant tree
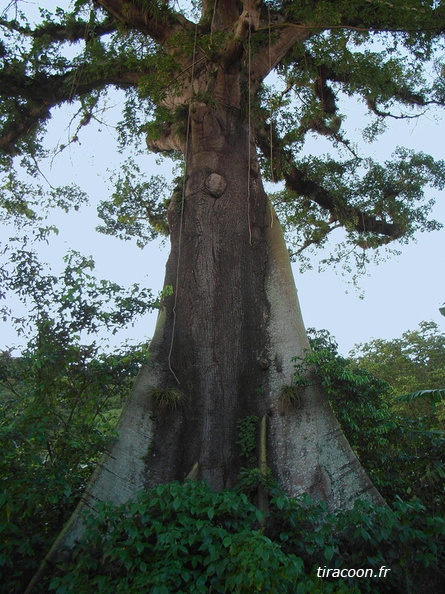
[235, 88]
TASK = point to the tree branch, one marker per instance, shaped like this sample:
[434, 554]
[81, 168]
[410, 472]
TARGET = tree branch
[75, 31]
[371, 102]
[315, 240]
[401, 94]
[35, 97]
[283, 40]
[290, 29]
[297, 180]
[159, 23]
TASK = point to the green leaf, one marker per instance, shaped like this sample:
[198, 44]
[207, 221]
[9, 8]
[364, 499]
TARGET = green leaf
[328, 552]
[259, 515]
[433, 396]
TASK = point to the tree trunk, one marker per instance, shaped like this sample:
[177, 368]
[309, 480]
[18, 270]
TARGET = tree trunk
[222, 349]
[224, 341]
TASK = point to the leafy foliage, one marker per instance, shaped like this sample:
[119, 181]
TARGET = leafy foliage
[59, 400]
[167, 399]
[402, 448]
[290, 396]
[415, 361]
[247, 437]
[137, 208]
[184, 537]
[392, 191]
[59, 403]
[434, 396]
[75, 302]
[180, 537]
[414, 365]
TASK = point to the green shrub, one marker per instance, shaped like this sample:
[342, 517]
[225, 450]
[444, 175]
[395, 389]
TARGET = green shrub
[179, 538]
[186, 538]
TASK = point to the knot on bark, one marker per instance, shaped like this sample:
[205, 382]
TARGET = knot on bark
[215, 185]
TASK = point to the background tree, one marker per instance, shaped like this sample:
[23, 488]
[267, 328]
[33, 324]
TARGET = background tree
[59, 400]
[196, 85]
[413, 364]
[416, 361]
[414, 367]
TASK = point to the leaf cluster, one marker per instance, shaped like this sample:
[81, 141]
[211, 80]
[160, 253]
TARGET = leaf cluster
[74, 302]
[183, 537]
[415, 361]
[247, 437]
[25, 202]
[376, 204]
[138, 206]
[180, 537]
[414, 366]
[166, 399]
[59, 402]
[402, 447]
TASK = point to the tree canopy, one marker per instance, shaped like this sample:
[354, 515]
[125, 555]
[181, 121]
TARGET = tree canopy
[303, 63]
[416, 361]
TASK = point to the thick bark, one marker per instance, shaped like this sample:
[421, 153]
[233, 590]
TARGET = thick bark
[231, 328]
